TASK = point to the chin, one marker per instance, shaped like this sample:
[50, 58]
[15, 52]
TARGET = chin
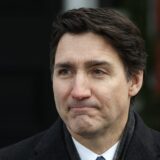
[82, 129]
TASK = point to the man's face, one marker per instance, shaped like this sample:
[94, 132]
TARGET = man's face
[92, 93]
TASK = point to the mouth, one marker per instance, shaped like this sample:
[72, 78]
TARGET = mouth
[82, 107]
[81, 110]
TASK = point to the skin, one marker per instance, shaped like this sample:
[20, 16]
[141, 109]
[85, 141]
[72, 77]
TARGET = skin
[91, 90]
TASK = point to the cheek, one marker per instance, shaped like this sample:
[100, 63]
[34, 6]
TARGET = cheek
[104, 91]
[59, 98]
[113, 96]
[60, 90]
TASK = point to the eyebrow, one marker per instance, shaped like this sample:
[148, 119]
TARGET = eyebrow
[63, 65]
[88, 64]
[93, 63]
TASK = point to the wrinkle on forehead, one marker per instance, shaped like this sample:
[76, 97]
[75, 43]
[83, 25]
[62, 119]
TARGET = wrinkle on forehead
[83, 42]
[83, 49]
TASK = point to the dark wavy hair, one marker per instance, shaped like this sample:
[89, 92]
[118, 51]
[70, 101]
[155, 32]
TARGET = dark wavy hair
[114, 27]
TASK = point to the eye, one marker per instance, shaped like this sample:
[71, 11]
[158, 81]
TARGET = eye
[98, 72]
[64, 72]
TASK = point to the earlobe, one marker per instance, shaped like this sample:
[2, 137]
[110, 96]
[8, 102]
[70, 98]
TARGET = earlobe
[136, 82]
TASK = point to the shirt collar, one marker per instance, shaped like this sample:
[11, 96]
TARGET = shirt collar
[86, 154]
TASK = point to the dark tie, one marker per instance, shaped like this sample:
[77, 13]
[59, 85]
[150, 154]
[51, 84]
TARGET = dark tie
[100, 158]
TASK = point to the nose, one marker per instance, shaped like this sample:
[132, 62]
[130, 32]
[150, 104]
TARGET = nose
[81, 88]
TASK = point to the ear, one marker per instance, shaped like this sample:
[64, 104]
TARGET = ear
[135, 83]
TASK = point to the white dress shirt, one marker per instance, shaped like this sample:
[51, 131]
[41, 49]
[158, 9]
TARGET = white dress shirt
[87, 154]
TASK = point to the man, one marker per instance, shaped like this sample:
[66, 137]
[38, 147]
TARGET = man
[97, 62]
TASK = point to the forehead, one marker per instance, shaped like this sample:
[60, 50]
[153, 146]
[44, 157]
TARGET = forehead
[85, 47]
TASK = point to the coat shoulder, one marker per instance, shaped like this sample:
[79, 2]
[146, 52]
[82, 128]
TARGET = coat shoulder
[145, 140]
[22, 149]
[156, 137]
[25, 149]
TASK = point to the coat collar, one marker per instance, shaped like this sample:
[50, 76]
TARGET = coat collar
[137, 142]
[142, 145]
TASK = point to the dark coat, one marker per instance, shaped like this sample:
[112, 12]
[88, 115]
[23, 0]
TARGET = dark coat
[52, 145]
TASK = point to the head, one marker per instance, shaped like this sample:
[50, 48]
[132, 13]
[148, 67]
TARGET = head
[114, 27]
[97, 63]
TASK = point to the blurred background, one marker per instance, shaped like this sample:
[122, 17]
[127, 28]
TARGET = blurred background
[26, 102]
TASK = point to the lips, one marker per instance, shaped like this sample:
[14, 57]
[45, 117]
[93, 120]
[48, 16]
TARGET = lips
[81, 110]
[81, 106]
